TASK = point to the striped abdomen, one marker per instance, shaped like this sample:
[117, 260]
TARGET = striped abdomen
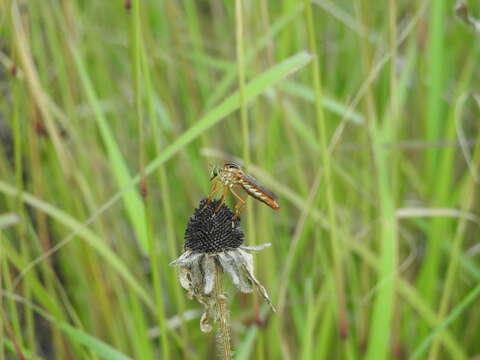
[254, 189]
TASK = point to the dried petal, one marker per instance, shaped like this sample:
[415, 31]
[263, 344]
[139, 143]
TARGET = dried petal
[246, 259]
[208, 267]
[197, 276]
[185, 259]
[255, 248]
[235, 271]
[184, 277]
[205, 325]
[248, 266]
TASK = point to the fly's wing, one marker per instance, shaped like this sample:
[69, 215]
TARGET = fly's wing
[259, 186]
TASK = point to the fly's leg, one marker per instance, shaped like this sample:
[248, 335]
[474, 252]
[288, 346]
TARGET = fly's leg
[222, 199]
[240, 204]
[213, 191]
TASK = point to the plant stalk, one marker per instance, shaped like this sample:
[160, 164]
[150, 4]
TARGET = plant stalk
[222, 314]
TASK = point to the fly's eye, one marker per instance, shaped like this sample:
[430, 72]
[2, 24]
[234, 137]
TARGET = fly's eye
[232, 165]
[214, 173]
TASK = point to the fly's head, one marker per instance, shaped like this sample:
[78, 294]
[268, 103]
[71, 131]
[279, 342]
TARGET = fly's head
[214, 171]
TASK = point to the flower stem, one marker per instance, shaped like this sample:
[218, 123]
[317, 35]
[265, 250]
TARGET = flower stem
[222, 313]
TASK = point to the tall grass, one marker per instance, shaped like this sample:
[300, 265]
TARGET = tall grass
[360, 115]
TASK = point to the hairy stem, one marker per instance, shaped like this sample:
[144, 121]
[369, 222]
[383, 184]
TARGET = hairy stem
[222, 314]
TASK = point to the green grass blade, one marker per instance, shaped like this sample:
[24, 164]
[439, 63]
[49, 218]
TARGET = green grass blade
[89, 236]
[27, 354]
[97, 346]
[455, 313]
[100, 348]
[132, 200]
[231, 75]
[330, 104]
[232, 103]
[8, 219]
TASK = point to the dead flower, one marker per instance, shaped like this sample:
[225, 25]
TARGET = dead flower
[214, 239]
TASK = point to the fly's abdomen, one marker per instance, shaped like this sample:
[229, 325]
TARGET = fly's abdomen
[258, 192]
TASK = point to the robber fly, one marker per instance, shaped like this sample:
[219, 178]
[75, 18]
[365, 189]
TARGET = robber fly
[232, 177]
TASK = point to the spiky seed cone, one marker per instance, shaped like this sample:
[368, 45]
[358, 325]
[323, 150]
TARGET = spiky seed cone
[211, 231]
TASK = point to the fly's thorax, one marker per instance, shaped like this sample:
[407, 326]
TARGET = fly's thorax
[227, 177]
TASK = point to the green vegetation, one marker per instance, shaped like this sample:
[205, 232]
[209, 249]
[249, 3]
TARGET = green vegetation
[362, 116]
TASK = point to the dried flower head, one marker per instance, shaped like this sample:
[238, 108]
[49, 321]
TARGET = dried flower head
[211, 231]
[213, 240]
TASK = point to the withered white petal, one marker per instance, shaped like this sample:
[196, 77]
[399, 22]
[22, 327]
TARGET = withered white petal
[231, 267]
[205, 325]
[208, 267]
[247, 259]
[255, 248]
[196, 275]
[186, 259]
[261, 289]
[183, 260]
[248, 266]
[184, 277]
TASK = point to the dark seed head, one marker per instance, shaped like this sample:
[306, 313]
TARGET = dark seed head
[212, 231]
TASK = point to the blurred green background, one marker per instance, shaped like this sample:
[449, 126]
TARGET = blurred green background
[361, 115]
